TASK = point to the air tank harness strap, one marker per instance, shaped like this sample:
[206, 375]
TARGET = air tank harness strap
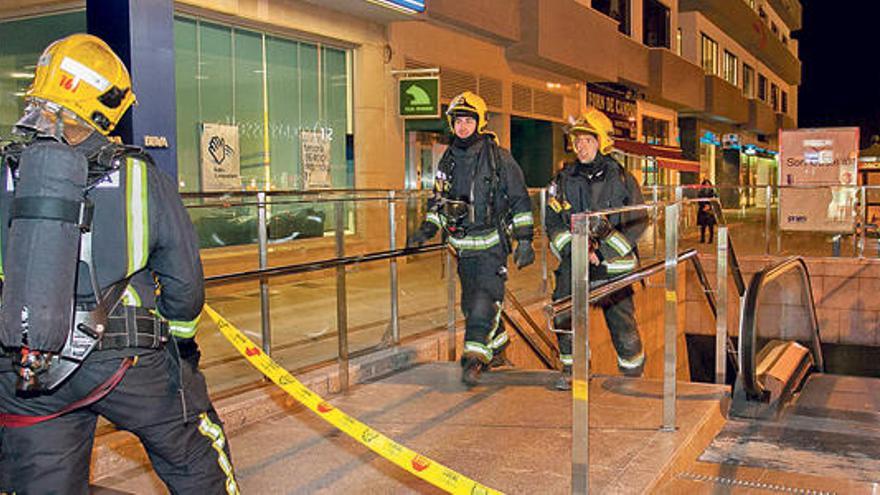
[132, 326]
[98, 393]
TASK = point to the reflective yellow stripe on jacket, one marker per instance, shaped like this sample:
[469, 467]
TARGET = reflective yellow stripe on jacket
[137, 214]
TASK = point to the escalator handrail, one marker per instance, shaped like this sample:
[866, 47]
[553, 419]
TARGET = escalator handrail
[748, 322]
[563, 304]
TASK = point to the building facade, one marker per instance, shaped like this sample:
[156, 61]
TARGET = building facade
[695, 88]
[752, 74]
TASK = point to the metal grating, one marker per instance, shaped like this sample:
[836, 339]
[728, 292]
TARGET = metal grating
[453, 82]
[736, 482]
[522, 98]
[548, 104]
[490, 90]
[416, 64]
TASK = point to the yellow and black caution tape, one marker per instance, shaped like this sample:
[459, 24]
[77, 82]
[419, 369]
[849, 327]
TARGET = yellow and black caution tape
[429, 470]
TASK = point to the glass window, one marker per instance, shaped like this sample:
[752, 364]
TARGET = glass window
[709, 55]
[615, 9]
[762, 87]
[774, 97]
[731, 66]
[748, 81]
[784, 102]
[678, 42]
[655, 24]
[655, 131]
[274, 89]
[22, 43]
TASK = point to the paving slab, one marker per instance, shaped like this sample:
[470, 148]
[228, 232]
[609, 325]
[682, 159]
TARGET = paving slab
[513, 433]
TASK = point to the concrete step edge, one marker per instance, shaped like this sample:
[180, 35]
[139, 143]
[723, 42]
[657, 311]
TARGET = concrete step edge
[116, 452]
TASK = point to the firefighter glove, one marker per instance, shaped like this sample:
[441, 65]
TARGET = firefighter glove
[417, 238]
[524, 254]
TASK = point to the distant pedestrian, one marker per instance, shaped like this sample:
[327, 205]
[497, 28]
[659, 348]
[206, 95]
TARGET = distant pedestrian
[705, 214]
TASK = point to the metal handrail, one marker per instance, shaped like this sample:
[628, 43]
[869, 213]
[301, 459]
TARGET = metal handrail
[324, 264]
[562, 306]
[748, 330]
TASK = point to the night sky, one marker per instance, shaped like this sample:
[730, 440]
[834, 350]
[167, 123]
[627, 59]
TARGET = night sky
[839, 47]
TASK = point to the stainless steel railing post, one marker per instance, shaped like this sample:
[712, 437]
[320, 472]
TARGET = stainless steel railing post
[450, 304]
[394, 283]
[263, 243]
[543, 216]
[670, 317]
[580, 293]
[341, 297]
[768, 198]
[721, 307]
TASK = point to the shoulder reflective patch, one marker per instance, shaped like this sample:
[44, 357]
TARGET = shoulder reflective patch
[110, 181]
[554, 205]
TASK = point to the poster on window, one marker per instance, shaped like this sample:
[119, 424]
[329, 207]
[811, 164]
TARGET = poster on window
[221, 165]
[315, 158]
[817, 178]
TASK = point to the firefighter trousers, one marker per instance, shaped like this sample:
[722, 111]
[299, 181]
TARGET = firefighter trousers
[619, 311]
[177, 425]
[483, 275]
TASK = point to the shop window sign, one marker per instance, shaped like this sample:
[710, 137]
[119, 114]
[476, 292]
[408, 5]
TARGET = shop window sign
[420, 98]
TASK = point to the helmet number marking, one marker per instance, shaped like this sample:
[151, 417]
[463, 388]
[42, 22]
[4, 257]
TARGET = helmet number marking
[69, 83]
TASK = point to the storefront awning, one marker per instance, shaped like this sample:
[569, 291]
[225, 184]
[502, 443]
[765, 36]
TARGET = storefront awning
[667, 156]
[680, 165]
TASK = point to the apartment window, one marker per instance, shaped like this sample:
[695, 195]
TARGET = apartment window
[748, 81]
[773, 28]
[762, 87]
[678, 42]
[761, 13]
[656, 23]
[617, 10]
[785, 40]
[784, 102]
[709, 55]
[774, 97]
[655, 131]
[730, 67]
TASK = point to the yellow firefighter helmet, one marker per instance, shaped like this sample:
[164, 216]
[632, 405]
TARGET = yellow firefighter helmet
[596, 123]
[468, 103]
[82, 74]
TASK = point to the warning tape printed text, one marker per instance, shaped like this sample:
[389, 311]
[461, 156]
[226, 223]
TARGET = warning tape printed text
[421, 466]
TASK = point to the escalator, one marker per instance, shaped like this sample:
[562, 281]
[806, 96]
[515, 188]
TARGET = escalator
[789, 416]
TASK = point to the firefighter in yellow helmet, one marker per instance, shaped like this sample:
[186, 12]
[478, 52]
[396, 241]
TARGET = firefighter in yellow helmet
[99, 337]
[480, 200]
[594, 181]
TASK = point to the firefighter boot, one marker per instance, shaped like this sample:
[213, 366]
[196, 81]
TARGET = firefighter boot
[564, 380]
[471, 370]
[499, 359]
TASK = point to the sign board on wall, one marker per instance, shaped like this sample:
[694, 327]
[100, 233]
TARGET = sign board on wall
[221, 162]
[419, 97]
[619, 106]
[818, 175]
[315, 158]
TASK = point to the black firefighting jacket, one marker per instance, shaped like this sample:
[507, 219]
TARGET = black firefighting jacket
[487, 178]
[599, 185]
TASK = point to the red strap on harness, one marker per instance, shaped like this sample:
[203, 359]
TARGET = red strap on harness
[98, 393]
